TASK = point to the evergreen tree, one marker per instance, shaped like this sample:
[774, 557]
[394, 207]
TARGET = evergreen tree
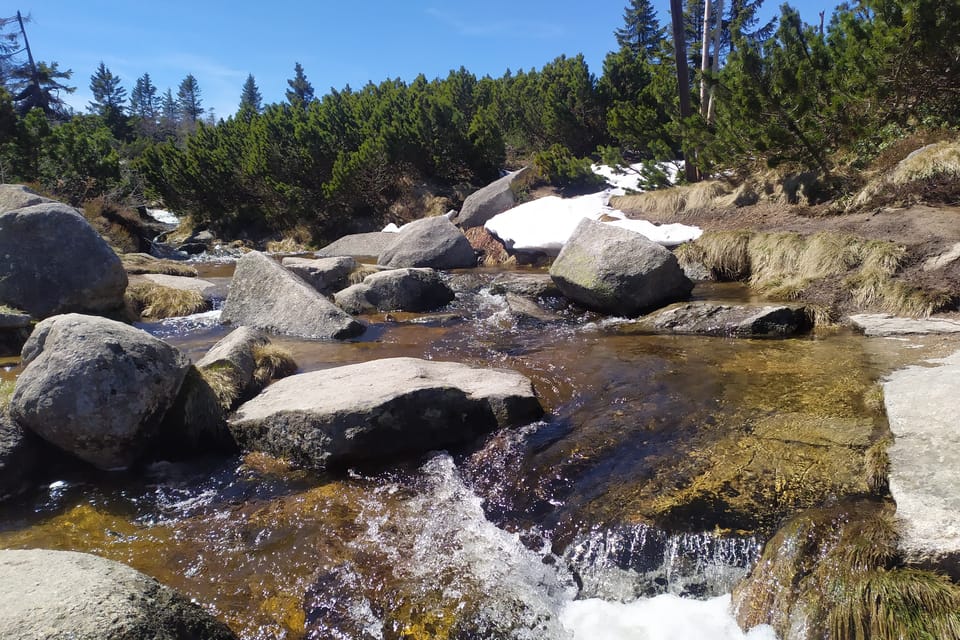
[188, 100]
[42, 89]
[300, 92]
[641, 32]
[144, 101]
[250, 99]
[108, 99]
[169, 113]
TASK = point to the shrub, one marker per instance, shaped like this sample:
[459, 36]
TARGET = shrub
[560, 168]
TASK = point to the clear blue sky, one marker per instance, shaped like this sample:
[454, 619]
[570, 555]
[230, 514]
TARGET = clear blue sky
[338, 43]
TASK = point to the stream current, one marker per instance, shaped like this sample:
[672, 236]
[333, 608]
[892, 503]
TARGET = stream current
[538, 532]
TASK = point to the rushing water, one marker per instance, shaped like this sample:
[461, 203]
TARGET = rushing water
[578, 526]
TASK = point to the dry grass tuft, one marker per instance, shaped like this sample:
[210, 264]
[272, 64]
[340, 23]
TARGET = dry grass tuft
[140, 263]
[932, 164]
[684, 201]
[272, 363]
[785, 264]
[156, 302]
[7, 309]
[361, 272]
[286, 245]
[222, 382]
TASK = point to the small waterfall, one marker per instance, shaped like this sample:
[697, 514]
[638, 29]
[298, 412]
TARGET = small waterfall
[634, 561]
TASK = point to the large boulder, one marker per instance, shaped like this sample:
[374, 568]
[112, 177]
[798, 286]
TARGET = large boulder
[381, 409]
[742, 321]
[396, 290]
[266, 296]
[96, 388]
[54, 262]
[359, 245]
[617, 271]
[430, 242]
[326, 275]
[18, 196]
[65, 595]
[481, 205]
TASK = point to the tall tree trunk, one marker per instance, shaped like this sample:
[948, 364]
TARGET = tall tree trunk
[705, 57]
[712, 107]
[683, 74]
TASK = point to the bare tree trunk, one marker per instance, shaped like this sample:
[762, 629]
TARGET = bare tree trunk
[712, 107]
[683, 74]
[705, 57]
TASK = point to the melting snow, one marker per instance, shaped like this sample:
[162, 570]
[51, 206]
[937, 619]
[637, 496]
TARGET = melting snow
[546, 224]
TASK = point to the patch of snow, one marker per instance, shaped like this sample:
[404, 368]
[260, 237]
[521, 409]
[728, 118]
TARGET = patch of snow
[545, 225]
[391, 228]
[627, 177]
[164, 216]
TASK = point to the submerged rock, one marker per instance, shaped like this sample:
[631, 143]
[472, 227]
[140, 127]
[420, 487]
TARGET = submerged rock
[96, 388]
[712, 319]
[483, 204]
[924, 479]
[64, 595]
[54, 262]
[266, 296]
[381, 409]
[396, 290]
[617, 271]
[430, 242]
[326, 275]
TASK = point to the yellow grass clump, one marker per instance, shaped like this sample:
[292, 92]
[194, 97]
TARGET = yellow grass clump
[362, 271]
[140, 263]
[272, 363]
[156, 302]
[675, 202]
[6, 392]
[931, 162]
[785, 264]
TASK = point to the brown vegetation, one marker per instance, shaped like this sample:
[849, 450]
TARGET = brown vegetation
[154, 301]
[140, 263]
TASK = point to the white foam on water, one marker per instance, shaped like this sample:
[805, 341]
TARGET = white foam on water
[162, 215]
[665, 617]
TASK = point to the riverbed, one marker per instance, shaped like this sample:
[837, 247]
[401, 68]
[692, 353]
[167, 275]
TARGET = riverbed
[590, 523]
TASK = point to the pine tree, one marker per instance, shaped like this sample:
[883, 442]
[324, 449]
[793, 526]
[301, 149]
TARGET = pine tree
[144, 101]
[300, 92]
[188, 99]
[42, 89]
[641, 31]
[250, 99]
[169, 113]
[108, 100]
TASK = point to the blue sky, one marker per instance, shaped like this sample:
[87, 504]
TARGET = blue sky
[338, 43]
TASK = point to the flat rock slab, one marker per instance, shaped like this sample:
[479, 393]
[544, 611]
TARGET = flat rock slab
[713, 319]
[882, 324]
[359, 245]
[921, 404]
[205, 288]
[64, 595]
[381, 409]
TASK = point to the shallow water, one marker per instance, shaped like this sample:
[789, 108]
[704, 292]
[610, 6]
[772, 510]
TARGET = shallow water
[590, 517]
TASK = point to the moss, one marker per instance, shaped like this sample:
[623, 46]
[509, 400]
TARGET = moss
[6, 309]
[156, 302]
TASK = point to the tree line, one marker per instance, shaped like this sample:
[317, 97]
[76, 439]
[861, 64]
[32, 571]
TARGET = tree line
[811, 96]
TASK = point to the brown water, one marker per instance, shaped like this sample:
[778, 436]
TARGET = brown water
[604, 497]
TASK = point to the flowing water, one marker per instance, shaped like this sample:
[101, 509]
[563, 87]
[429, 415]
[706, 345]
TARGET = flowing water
[588, 524]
